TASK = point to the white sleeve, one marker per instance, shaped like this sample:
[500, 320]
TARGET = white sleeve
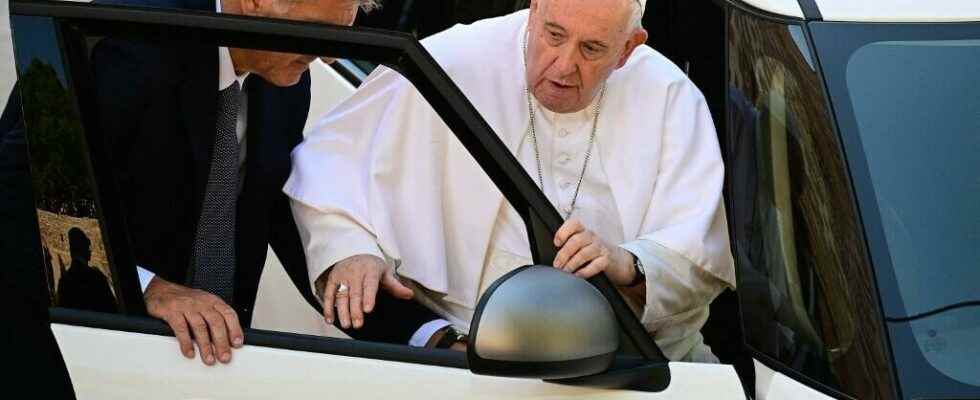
[329, 238]
[678, 295]
[145, 277]
[425, 332]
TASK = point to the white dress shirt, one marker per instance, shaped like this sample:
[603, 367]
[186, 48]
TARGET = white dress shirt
[226, 77]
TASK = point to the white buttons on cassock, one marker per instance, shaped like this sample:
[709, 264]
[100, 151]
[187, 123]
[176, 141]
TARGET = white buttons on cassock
[562, 133]
[563, 158]
[567, 209]
[566, 185]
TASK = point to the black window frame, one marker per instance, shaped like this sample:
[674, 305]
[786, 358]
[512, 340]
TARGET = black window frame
[400, 51]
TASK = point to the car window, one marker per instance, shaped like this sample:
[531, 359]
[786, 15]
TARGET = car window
[426, 17]
[77, 266]
[910, 189]
[423, 18]
[914, 169]
[805, 286]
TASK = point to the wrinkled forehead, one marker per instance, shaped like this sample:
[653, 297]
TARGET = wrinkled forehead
[590, 17]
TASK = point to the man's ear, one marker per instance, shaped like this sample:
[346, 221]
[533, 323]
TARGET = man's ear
[638, 37]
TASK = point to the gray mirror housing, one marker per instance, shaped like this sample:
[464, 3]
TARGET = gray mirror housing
[540, 322]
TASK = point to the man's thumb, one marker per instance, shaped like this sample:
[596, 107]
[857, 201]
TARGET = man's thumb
[391, 283]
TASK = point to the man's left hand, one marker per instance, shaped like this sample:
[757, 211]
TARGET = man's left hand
[585, 254]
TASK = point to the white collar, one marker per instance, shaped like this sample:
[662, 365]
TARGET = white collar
[226, 68]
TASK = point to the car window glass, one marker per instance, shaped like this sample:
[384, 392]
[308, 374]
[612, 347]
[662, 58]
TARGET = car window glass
[423, 18]
[911, 184]
[74, 254]
[426, 17]
[805, 286]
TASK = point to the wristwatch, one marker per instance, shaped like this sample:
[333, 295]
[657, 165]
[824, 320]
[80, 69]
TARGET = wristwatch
[640, 275]
[450, 337]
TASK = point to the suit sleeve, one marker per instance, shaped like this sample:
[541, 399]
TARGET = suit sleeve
[129, 76]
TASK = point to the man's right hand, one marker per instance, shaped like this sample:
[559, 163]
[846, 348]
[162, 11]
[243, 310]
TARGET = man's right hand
[362, 274]
[195, 313]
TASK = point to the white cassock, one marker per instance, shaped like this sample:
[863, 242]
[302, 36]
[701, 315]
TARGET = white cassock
[383, 175]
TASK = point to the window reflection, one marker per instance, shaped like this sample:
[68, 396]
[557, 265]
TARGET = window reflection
[73, 251]
[804, 282]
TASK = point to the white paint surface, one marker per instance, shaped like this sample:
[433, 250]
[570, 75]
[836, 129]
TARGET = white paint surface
[771, 385]
[900, 10]
[110, 365]
[279, 306]
[8, 73]
[789, 8]
[878, 10]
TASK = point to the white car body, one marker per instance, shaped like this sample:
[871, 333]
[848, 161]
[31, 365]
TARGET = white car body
[877, 10]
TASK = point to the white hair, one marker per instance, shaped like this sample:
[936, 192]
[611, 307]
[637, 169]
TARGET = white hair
[636, 21]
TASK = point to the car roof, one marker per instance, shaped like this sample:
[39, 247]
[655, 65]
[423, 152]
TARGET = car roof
[875, 10]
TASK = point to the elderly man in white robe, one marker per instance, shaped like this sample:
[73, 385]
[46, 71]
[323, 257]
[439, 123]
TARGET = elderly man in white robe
[617, 137]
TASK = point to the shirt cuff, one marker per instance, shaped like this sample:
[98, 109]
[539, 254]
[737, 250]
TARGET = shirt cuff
[425, 332]
[145, 277]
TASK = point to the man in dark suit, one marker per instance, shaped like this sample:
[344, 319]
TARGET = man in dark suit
[199, 139]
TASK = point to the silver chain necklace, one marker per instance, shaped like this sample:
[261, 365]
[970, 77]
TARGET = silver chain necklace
[534, 137]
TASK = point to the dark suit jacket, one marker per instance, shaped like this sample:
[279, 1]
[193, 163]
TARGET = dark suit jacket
[157, 105]
[22, 282]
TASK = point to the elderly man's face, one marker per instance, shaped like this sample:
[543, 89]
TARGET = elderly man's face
[573, 46]
[285, 69]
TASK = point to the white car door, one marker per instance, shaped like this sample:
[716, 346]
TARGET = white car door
[120, 353]
[115, 364]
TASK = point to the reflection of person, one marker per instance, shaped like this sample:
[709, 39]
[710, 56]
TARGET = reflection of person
[200, 137]
[619, 139]
[83, 286]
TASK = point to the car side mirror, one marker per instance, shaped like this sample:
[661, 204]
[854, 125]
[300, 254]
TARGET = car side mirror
[540, 322]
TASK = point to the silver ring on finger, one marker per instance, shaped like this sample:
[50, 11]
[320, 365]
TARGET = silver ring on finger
[342, 290]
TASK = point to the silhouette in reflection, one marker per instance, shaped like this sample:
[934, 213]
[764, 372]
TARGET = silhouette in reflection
[83, 286]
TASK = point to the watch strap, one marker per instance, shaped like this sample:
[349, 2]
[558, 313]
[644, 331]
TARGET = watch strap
[449, 337]
[639, 274]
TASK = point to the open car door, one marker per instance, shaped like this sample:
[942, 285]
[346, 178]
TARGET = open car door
[121, 353]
